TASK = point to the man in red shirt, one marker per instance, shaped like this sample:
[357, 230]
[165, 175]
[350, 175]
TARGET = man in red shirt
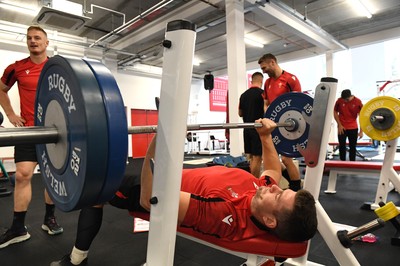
[228, 203]
[346, 110]
[26, 73]
[233, 204]
[278, 83]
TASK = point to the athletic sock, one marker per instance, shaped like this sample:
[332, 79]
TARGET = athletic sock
[18, 221]
[77, 256]
[295, 185]
[49, 210]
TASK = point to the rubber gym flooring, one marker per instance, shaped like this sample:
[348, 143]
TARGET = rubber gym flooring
[117, 245]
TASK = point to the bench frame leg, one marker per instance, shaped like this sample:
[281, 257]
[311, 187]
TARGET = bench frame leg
[388, 174]
[331, 188]
[254, 260]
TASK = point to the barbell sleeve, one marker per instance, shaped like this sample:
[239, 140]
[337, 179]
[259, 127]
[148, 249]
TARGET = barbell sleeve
[28, 135]
[41, 135]
[346, 238]
[377, 118]
[366, 228]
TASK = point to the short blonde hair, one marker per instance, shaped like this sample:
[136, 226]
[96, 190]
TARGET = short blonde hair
[35, 27]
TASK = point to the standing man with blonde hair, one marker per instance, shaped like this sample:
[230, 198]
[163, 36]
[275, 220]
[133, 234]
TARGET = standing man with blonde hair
[26, 74]
[278, 83]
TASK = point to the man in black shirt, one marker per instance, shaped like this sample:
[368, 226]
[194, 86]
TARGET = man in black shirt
[251, 108]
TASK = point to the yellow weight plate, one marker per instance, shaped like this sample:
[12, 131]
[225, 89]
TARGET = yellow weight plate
[387, 212]
[389, 108]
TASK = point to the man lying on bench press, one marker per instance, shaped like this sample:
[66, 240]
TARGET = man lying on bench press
[226, 202]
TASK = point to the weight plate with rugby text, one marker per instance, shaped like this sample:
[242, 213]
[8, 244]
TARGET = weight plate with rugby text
[389, 127]
[117, 129]
[296, 106]
[68, 98]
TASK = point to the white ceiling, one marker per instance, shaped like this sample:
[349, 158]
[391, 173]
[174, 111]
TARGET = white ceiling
[136, 28]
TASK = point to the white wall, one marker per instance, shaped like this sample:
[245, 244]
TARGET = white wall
[367, 67]
[199, 106]
[138, 92]
[309, 71]
[13, 94]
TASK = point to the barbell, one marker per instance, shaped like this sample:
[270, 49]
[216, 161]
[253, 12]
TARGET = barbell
[43, 134]
[81, 131]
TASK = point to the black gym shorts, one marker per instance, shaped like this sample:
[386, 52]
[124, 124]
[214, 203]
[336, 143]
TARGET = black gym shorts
[128, 194]
[25, 153]
[252, 142]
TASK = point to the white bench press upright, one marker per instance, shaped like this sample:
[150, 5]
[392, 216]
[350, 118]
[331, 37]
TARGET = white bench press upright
[171, 132]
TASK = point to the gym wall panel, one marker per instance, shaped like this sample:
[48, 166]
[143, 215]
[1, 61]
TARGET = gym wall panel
[140, 142]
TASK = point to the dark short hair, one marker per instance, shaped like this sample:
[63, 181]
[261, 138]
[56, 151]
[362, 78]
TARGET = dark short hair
[300, 223]
[267, 57]
[257, 74]
[346, 94]
[35, 27]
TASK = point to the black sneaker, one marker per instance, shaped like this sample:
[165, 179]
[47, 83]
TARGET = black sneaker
[11, 237]
[5, 193]
[51, 226]
[66, 261]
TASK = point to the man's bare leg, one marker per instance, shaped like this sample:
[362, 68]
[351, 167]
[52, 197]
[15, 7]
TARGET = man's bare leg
[255, 165]
[23, 189]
